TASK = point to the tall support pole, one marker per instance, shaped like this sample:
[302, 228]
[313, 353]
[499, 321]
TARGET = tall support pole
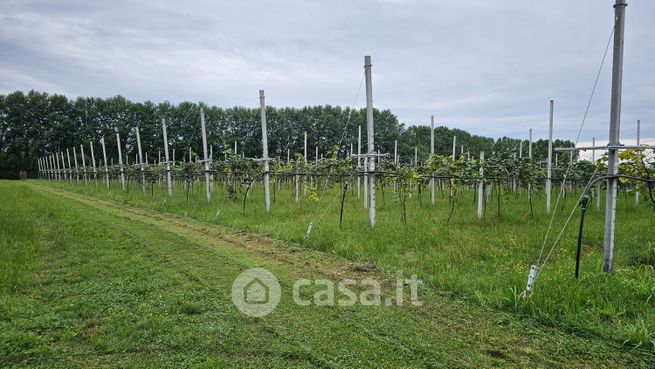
[120, 160]
[521, 149]
[77, 168]
[452, 189]
[530, 157]
[85, 174]
[93, 164]
[395, 152]
[59, 174]
[370, 138]
[104, 156]
[549, 168]
[235, 149]
[431, 154]
[55, 171]
[70, 167]
[141, 162]
[267, 176]
[304, 184]
[615, 124]
[638, 143]
[63, 165]
[481, 187]
[169, 184]
[359, 158]
[205, 153]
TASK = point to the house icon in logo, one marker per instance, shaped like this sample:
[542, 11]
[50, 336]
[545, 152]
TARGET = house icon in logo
[256, 292]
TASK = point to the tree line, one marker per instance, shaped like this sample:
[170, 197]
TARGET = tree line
[36, 124]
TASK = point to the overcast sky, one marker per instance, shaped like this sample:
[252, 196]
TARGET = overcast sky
[488, 67]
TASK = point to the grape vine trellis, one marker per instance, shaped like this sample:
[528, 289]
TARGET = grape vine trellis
[504, 174]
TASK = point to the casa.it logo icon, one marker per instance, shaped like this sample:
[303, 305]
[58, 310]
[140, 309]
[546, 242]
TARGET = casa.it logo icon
[256, 292]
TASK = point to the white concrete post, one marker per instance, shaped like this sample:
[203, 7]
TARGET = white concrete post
[120, 160]
[305, 155]
[77, 169]
[481, 188]
[86, 178]
[93, 165]
[143, 167]
[205, 153]
[370, 138]
[615, 124]
[549, 168]
[359, 157]
[169, 184]
[395, 152]
[59, 176]
[70, 167]
[638, 143]
[267, 176]
[432, 153]
[530, 157]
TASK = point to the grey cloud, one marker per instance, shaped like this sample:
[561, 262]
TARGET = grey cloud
[484, 66]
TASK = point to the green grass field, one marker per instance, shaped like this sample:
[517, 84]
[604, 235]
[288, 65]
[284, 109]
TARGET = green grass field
[88, 282]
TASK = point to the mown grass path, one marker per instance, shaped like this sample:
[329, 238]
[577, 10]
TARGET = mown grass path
[90, 283]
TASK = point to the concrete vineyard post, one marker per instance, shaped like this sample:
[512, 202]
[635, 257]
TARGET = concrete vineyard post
[104, 155]
[267, 175]
[549, 167]
[141, 162]
[70, 168]
[638, 143]
[395, 152]
[120, 160]
[169, 185]
[481, 188]
[615, 124]
[431, 153]
[530, 157]
[59, 176]
[359, 157]
[86, 177]
[205, 153]
[93, 165]
[370, 138]
[304, 184]
[593, 160]
[452, 189]
[77, 169]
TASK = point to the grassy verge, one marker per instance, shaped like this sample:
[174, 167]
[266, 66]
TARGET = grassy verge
[484, 261]
[93, 284]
